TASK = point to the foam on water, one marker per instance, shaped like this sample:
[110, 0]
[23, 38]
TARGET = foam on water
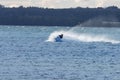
[82, 37]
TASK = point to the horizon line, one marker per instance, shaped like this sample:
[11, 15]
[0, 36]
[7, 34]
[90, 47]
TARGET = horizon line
[22, 6]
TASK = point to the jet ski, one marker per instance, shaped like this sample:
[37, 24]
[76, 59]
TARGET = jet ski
[59, 38]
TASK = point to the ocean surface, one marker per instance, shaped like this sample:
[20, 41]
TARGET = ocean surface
[30, 53]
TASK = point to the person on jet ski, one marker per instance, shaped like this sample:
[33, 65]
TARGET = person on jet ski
[59, 38]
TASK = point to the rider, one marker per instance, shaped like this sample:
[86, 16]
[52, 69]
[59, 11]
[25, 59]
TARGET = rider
[59, 38]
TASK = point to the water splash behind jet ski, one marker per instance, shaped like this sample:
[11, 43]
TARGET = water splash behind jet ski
[82, 37]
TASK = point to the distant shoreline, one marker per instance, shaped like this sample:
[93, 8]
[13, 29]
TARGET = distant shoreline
[34, 16]
[65, 26]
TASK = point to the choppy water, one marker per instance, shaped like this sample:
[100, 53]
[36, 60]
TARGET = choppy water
[30, 53]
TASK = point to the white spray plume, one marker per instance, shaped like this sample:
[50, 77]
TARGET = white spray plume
[83, 37]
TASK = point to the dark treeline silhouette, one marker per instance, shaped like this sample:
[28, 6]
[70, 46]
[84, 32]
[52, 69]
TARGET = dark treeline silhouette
[58, 17]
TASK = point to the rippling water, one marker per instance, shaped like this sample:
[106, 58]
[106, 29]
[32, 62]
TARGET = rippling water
[30, 53]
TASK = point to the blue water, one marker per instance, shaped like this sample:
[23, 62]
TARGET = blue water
[30, 53]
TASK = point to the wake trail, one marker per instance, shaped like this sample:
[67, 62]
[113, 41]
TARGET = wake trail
[82, 36]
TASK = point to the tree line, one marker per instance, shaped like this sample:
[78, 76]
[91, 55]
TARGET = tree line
[56, 17]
